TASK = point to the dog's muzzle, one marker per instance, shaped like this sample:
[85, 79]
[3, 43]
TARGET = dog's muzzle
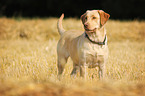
[88, 30]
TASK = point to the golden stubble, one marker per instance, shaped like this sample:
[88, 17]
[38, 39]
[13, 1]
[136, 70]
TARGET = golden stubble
[28, 59]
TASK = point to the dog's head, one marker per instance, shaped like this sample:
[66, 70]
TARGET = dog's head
[94, 19]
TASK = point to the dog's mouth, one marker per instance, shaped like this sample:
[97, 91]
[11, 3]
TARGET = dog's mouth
[88, 30]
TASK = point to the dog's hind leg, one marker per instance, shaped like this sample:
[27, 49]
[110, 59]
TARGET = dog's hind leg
[61, 64]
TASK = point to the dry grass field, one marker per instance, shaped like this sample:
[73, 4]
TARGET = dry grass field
[28, 58]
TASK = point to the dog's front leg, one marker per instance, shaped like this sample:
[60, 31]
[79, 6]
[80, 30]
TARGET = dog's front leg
[101, 63]
[101, 71]
[84, 71]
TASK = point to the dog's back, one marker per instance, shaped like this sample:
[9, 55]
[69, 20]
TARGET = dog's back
[68, 43]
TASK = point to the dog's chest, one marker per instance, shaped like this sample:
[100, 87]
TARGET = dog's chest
[94, 55]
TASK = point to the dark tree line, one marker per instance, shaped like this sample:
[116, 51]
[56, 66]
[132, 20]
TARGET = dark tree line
[118, 9]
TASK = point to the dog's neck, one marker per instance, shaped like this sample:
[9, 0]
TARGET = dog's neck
[98, 36]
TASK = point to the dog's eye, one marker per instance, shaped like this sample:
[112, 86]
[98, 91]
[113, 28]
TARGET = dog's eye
[86, 18]
[93, 17]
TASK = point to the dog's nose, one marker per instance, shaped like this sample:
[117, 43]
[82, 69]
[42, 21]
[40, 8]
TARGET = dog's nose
[86, 25]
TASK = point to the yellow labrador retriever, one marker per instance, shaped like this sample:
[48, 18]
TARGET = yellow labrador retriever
[87, 49]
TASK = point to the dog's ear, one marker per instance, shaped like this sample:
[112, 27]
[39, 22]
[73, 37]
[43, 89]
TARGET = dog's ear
[83, 18]
[103, 17]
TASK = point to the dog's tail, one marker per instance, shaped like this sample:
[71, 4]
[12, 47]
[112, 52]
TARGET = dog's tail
[59, 25]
